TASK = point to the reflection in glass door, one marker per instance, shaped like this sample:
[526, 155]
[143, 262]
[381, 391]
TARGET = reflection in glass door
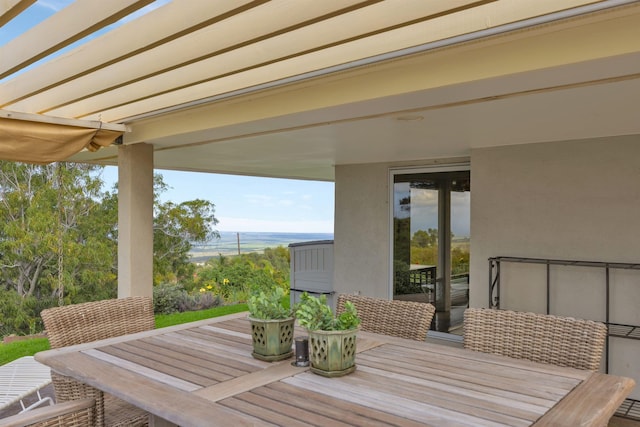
[431, 242]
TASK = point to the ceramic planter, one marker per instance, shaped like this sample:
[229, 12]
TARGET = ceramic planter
[272, 339]
[332, 353]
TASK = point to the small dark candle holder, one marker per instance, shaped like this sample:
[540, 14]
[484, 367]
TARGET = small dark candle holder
[302, 351]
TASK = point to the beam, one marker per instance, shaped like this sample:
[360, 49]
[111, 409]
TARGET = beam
[71, 24]
[11, 8]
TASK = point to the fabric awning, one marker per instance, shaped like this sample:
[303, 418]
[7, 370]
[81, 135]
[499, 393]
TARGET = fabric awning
[47, 140]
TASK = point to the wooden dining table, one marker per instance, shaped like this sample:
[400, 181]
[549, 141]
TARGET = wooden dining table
[203, 374]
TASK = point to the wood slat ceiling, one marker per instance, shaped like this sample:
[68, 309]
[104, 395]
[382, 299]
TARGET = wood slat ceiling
[191, 51]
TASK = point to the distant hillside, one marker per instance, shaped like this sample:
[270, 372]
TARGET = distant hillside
[250, 242]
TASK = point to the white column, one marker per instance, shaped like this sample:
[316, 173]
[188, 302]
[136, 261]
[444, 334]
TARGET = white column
[135, 220]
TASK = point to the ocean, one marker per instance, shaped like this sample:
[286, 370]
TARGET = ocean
[251, 242]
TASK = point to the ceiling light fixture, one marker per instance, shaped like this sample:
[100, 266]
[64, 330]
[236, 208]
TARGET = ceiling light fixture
[409, 118]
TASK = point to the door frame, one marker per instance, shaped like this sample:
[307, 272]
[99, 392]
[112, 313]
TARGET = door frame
[466, 166]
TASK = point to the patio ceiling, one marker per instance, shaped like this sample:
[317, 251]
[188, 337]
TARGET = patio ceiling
[292, 88]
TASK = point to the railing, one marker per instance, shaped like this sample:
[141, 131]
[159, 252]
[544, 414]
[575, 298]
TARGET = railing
[423, 280]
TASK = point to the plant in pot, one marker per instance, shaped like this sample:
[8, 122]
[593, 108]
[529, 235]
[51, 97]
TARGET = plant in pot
[332, 339]
[271, 325]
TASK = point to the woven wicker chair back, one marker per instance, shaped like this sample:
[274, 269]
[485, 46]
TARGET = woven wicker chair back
[556, 340]
[404, 319]
[92, 321]
[79, 413]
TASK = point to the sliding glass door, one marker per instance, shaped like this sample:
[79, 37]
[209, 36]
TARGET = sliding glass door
[431, 238]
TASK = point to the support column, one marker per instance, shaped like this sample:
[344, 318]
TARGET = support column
[135, 220]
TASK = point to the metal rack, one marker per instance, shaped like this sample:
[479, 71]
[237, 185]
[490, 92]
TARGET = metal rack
[630, 408]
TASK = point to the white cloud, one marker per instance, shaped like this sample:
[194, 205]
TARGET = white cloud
[265, 201]
[305, 208]
[286, 203]
[424, 197]
[54, 5]
[259, 199]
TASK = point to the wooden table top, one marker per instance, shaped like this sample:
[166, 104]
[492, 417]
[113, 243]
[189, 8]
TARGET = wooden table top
[202, 373]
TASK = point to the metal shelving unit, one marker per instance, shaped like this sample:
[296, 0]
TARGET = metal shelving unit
[630, 408]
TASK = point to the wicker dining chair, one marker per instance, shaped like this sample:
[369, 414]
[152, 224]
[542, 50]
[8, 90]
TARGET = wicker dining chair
[92, 321]
[76, 413]
[556, 340]
[404, 319]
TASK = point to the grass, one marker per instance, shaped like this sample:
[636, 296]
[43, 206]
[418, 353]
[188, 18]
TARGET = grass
[164, 320]
[17, 349]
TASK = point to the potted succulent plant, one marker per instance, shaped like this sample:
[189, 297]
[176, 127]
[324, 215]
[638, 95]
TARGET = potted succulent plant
[271, 325]
[332, 339]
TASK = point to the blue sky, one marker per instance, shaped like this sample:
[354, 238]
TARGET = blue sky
[242, 203]
[253, 204]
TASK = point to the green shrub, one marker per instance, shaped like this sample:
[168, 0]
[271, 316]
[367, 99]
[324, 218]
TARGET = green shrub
[168, 298]
[235, 278]
[199, 301]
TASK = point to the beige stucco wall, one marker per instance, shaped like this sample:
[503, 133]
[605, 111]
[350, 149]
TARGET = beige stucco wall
[577, 200]
[565, 200]
[361, 242]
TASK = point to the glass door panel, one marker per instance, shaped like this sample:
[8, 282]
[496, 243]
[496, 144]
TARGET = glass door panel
[431, 242]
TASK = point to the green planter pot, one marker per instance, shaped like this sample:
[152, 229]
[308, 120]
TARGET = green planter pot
[272, 339]
[332, 353]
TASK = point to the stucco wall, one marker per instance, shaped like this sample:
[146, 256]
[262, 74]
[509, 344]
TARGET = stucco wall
[577, 200]
[564, 200]
[361, 242]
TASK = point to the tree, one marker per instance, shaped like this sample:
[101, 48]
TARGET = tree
[48, 237]
[176, 227]
[58, 240]
[425, 239]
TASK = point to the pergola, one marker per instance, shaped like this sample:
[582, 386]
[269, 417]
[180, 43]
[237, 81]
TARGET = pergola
[292, 88]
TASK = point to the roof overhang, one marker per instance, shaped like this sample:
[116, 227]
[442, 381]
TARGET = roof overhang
[303, 88]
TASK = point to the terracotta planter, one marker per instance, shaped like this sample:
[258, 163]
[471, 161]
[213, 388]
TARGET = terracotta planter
[332, 353]
[272, 339]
